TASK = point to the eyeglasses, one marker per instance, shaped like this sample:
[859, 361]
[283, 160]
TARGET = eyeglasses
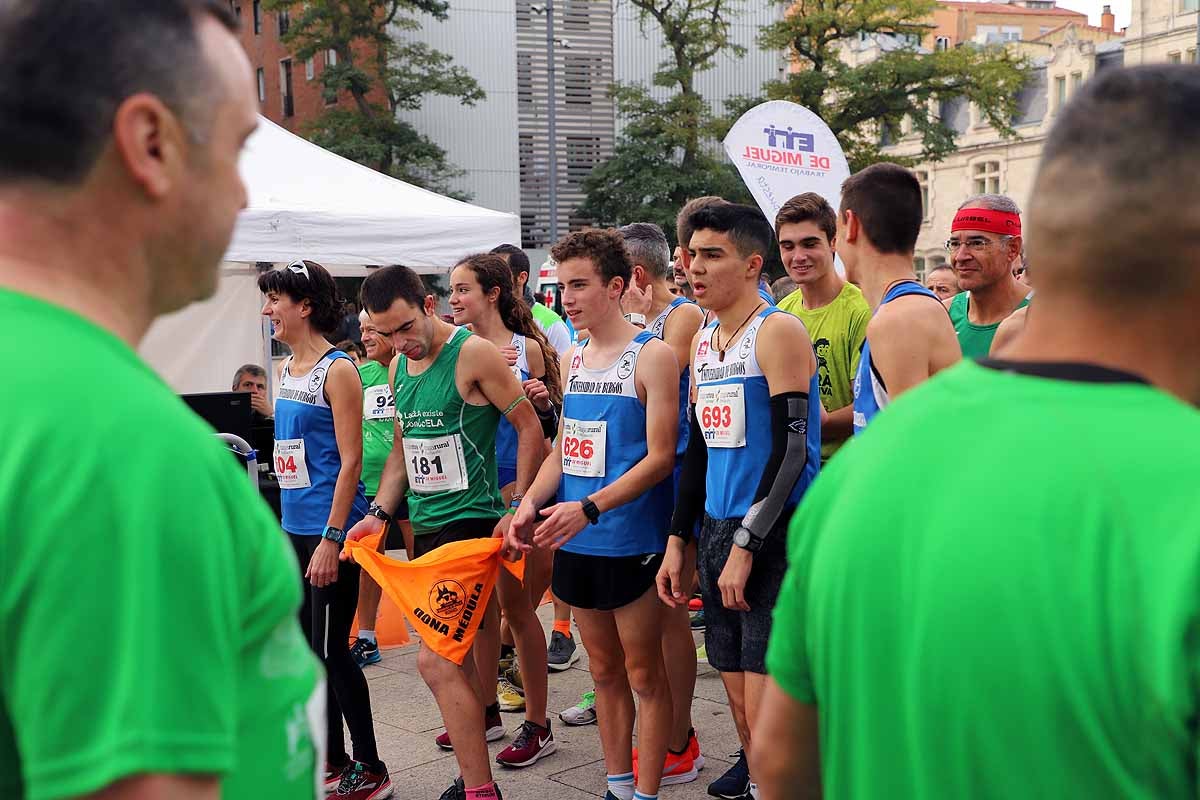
[300, 268]
[975, 244]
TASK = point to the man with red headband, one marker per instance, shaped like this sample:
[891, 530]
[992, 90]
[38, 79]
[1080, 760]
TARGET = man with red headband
[985, 239]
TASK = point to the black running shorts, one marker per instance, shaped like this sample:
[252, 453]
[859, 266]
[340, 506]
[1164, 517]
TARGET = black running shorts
[603, 583]
[460, 530]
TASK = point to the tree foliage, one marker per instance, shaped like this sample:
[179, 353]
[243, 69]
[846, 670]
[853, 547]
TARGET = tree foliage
[667, 152]
[383, 75]
[861, 102]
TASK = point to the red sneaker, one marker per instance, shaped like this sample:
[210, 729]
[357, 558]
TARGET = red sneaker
[333, 775]
[693, 749]
[695, 604]
[676, 768]
[360, 783]
[533, 742]
[493, 729]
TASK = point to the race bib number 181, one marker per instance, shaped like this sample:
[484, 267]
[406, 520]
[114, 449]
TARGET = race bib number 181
[435, 464]
[721, 412]
[583, 447]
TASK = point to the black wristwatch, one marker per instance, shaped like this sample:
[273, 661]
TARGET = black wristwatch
[377, 511]
[746, 540]
[590, 510]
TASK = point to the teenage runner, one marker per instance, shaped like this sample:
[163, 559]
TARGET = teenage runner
[753, 362]
[451, 389]
[318, 458]
[616, 448]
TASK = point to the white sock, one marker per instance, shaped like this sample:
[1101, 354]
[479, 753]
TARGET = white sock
[621, 786]
[754, 790]
[640, 796]
[368, 635]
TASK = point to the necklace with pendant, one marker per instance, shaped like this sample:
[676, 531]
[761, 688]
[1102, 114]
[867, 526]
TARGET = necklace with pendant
[716, 333]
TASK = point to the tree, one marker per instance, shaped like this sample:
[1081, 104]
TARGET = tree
[664, 156]
[382, 75]
[865, 104]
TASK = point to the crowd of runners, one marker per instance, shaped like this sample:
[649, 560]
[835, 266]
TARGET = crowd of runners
[987, 590]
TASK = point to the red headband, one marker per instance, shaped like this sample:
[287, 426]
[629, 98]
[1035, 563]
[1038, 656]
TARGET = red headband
[985, 219]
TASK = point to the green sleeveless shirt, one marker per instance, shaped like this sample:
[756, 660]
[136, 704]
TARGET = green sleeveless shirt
[975, 340]
[449, 444]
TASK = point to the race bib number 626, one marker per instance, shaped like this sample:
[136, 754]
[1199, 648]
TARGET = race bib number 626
[583, 447]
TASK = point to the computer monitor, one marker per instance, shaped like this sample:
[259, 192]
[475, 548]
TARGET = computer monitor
[228, 412]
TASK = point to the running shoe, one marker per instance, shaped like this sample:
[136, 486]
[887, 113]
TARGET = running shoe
[493, 728]
[506, 663]
[676, 768]
[513, 676]
[510, 699]
[693, 750]
[695, 604]
[697, 620]
[735, 783]
[561, 653]
[583, 712]
[364, 652]
[701, 655]
[532, 742]
[458, 791]
[360, 783]
[333, 775]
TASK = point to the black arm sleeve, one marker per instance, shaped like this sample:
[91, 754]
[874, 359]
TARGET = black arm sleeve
[689, 500]
[549, 420]
[789, 455]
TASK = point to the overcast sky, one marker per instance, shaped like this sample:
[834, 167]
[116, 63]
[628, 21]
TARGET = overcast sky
[1092, 9]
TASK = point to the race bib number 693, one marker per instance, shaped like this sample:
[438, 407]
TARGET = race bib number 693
[721, 412]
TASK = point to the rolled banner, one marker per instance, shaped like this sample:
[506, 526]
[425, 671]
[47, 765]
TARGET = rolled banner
[781, 150]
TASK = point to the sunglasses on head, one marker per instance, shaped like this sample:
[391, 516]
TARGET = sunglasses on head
[300, 268]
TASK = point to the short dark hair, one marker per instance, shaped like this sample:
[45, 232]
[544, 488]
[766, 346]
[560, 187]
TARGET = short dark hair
[518, 261]
[1112, 215]
[387, 285]
[66, 66]
[886, 198]
[248, 369]
[318, 289]
[683, 227]
[604, 246]
[647, 245]
[807, 207]
[746, 227]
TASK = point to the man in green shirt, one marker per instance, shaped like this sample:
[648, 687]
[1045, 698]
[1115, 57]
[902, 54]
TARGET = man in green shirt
[1038, 641]
[148, 606]
[832, 309]
[985, 239]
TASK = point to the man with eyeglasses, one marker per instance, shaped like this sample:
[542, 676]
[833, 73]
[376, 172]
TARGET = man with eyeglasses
[985, 240]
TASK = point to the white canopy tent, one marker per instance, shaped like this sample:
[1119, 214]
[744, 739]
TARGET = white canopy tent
[306, 202]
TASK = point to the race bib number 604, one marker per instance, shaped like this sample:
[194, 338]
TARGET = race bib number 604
[721, 412]
[291, 470]
[583, 447]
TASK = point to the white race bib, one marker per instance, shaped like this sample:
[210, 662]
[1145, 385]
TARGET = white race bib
[378, 402]
[436, 464]
[583, 447]
[291, 470]
[721, 412]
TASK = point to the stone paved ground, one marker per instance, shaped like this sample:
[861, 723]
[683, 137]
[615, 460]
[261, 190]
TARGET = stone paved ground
[407, 719]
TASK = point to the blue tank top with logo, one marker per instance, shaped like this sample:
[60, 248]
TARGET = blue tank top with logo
[657, 326]
[603, 437]
[506, 434]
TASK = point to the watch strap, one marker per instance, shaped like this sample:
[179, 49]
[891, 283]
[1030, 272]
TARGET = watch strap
[590, 510]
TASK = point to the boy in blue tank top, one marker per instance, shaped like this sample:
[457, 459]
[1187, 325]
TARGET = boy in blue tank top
[752, 362]
[910, 337]
[609, 470]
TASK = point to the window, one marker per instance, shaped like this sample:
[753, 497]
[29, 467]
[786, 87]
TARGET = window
[1076, 81]
[583, 154]
[941, 43]
[1191, 56]
[262, 85]
[1044, 29]
[310, 69]
[285, 86]
[987, 177]
[1060, 91]
[577, 80]
[331, 58]
[919, 268]
[923, 179]
[1174, 58]
[1010, 33]
[257, 17]
[285, 21]
[1189, 5]
[525, 80]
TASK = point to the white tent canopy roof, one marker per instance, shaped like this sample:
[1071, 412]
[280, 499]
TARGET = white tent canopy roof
[308, 202]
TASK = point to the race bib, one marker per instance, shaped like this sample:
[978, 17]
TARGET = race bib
[721, 412]
[378, 402]
[583, 448]
[517, 372]
[291, 470]
[435, 464]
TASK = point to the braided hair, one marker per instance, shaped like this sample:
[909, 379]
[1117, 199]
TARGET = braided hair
[492, 272]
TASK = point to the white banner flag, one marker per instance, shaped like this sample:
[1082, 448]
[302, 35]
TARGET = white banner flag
[781, 150]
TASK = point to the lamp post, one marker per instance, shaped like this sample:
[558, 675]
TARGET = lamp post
[551, 122]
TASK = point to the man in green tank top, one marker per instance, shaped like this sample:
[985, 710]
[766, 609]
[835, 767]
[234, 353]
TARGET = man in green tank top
[985, 239]
[450, 390]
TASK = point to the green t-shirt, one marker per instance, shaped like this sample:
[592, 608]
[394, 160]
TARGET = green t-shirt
[379, 411]
[837, 332]
[149, 598]
[449, 444]
[1031, 633]
[975, 340]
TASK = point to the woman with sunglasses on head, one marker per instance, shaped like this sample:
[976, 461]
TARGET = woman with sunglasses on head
[482, 296]
[318, 460]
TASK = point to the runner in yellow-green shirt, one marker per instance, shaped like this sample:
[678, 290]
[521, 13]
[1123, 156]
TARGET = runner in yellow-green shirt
[833, 310]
